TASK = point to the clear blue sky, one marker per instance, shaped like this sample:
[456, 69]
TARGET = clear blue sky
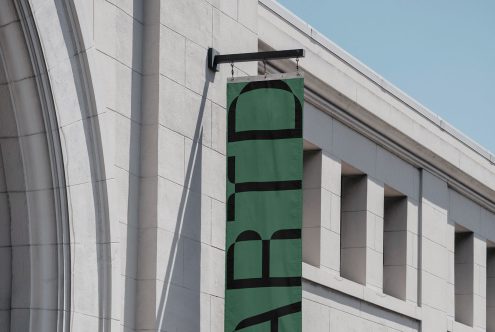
[440, 52]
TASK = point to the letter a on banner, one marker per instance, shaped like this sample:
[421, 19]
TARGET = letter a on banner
[264, 204]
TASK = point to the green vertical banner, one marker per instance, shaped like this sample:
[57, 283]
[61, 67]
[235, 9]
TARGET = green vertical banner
[264, 204]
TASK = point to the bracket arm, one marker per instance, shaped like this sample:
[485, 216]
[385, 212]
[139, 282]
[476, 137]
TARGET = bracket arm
[215, 58]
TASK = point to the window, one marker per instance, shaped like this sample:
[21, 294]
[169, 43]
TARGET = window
[395, 243]
[353, 210]
[490, 288]
[464, 273]
[311, 232]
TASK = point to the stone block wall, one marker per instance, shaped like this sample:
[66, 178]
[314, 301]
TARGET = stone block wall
[388, 245]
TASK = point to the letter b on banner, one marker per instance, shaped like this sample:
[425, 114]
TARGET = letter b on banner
[264, 204]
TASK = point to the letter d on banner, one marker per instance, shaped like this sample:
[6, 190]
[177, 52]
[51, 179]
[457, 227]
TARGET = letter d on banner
[264, 204]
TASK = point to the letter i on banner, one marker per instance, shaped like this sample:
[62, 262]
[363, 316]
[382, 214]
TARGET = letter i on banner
[264, 204]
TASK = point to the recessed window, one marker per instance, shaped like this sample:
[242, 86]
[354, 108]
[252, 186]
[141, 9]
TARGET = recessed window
[490, 287]
[464, 273]
[395, 243]
[353, 224]
[311, 232]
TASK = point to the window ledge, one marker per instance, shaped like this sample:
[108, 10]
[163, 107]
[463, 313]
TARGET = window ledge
[364, 293]
[460, 327]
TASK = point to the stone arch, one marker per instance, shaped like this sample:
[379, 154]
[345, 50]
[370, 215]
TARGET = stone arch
[35, 278]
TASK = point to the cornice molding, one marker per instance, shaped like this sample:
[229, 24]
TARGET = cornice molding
[395, 142]
[296, 23]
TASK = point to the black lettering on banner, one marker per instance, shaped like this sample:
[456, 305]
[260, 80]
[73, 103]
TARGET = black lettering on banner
[265, 280]
[254, 186]
[234, 136]
[271, 316]
[231, 199]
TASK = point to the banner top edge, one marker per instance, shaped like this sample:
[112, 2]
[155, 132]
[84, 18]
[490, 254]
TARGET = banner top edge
[267, 77]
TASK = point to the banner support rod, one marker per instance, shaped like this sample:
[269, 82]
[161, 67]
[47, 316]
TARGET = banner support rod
[215, 58]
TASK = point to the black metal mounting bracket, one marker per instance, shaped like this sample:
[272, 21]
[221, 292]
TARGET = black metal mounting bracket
[215, 58]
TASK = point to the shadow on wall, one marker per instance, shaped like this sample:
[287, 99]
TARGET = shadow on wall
[180, 301]
[81, 74]
[178, 295]
[133, 201]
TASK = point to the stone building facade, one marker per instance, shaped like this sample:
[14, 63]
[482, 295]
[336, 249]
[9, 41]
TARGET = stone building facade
[112, 176]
